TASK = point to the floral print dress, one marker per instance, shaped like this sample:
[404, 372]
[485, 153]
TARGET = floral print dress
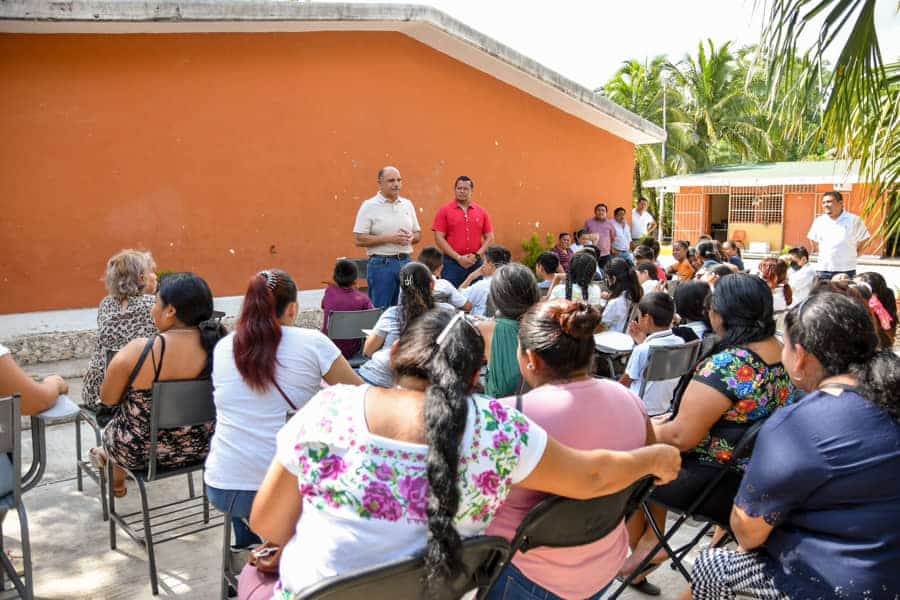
[365, 496]
[755, 388]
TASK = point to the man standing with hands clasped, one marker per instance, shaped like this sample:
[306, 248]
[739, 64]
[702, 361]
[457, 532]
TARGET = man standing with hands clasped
[387, 227]
[462, 231]
[838, 236]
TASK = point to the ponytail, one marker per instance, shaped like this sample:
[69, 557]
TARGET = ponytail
[258, 330]
[581, 272]
[415, 292]
[880, 378]
[192, 300]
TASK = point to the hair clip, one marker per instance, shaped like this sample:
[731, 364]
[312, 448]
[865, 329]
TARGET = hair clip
[407, 281]
[271, 279]
[449, 327]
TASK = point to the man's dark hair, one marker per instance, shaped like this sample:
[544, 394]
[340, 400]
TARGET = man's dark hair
[618, 210]
[464, 178]
[580, 233]
[799, 252]
[345, 273]
[643, 199]
[431, 257]
[564, 233]
[834, 194]
[497, 255]
[643, 253]
[549, 262]
[660, 307]
[599, 205]
[649, 269]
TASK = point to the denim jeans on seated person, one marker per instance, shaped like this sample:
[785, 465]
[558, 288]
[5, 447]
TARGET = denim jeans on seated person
[238, 503]
[383, 279]
[513, 585]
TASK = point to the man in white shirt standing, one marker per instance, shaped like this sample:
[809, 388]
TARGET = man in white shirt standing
[387, 227]
[622, 243]
[837, 236]
[642, 222]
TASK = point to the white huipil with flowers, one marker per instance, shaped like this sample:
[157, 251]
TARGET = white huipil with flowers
[364, 496]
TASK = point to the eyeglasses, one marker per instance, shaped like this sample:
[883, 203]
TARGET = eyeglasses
[460, 316]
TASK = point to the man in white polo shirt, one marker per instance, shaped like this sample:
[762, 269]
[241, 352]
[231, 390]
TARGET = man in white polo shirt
[642, 222]
[387, 227]
[838, 236]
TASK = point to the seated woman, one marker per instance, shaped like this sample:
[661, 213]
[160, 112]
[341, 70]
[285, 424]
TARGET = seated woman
[264, 369]
[182, 350]
[884, 304]
[624, 292]
[36, 396]
[774, 272]
[420, 464]
[816, 514]
[557, 347]
[579, 282]
[513, 291]
[741, 382]
[416, 287]
[124, 315]
[690, 304]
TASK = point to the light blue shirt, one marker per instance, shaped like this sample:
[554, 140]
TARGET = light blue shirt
[658, 394]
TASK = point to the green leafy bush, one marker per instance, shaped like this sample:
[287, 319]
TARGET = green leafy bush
[534, 248]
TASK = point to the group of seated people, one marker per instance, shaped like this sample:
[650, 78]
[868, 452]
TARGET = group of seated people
[420, 448]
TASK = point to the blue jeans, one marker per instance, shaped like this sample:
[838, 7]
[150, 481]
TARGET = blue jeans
[628, 256]
[238, 503]
[455, 273]
[827, 275]
[383, 278]
[513, 585]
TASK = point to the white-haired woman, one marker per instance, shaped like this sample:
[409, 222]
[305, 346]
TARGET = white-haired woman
[123, 315]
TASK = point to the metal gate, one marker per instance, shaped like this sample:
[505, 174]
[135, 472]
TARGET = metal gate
[688, 217]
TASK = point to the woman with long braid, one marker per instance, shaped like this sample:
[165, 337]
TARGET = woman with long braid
[366, 475]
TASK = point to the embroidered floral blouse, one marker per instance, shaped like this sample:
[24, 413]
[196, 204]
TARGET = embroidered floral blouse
[755, 388]
[364, 496]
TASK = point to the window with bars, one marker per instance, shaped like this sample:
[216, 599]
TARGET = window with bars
[760, 205]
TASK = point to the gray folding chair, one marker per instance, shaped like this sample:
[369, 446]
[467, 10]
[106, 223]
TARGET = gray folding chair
[348, 325]
[11, 453]
[482, 556]
[671, 286]
[669, 362]
[779, 320]
[175, 404]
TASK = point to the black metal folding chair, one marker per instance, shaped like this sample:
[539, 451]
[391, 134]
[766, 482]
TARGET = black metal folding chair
[669, 362]
[563, 523]
[348, 325]
[11, 447]
[742, 449]
[482, 556]
[175, 404]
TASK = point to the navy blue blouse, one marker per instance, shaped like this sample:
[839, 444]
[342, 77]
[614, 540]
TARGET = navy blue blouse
[825, 473]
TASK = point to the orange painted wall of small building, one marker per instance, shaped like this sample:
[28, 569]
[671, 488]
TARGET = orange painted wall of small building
[227, 153]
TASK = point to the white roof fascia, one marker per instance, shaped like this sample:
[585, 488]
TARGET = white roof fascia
[734, 181]
[424, 24]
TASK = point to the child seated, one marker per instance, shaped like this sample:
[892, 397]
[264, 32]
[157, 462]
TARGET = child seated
[653, 328]
[444, 291]
[344, 296]
[546, 267]
[648, 277]
[646, 254]
[477, 292]
[583, 238]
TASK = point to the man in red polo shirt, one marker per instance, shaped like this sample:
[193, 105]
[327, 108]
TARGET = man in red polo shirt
[462, 231]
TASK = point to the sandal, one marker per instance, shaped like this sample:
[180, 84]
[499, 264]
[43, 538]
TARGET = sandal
[98, 460]
[644, 586]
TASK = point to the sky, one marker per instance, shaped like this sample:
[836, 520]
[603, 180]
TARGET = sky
[587, 40]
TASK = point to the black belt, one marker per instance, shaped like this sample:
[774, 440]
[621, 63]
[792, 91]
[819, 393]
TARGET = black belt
[402, 256]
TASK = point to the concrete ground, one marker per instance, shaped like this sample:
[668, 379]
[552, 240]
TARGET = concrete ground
[70, 542]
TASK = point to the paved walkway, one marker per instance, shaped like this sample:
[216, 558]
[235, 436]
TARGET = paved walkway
[70, 542]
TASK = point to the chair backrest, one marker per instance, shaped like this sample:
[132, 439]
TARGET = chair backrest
[669, 362]
[562, 522]
[348, 324]
[671, 286]
[779, 320]
[11, 439]
[707, 344]
[362, 267]
[482, 556]
[182, 403]
[108, 354]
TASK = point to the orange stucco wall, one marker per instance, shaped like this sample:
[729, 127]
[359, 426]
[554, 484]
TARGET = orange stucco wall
[226, 153]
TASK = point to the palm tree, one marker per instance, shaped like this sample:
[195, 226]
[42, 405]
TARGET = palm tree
[725, 118]
[861, 114]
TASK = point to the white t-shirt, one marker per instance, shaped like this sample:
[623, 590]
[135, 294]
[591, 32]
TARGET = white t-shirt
[615, 314]
[622, 242]
[650, 286]
[477, 294]
[837, 240]
[801, 281]
[594, 293]
[444, 291]
[778, 301]
[365, 496]
[378, 216]
[3, 350]
[658, 394]
[640, 223]
[247, 421]
[698, 327]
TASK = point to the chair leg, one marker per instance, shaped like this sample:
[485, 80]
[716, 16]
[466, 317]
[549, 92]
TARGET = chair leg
[26, 553]
[2, 550]
[191, 491]
[111, 496]
[205, 504]
[78, 455]
[226, 559]
[664, 542]
[148, 537]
